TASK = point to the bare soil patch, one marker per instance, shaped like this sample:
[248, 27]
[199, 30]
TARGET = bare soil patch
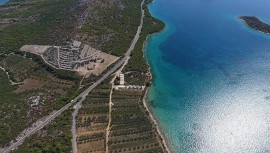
[91, 146]
[30, 84]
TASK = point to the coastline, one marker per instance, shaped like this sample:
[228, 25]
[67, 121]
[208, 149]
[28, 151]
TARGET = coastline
[160, 132]
[153, 71]
[151, 115]
[251, 27]
[145, 41]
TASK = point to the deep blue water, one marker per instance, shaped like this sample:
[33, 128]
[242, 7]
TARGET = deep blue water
[211, 87]
[3, 1]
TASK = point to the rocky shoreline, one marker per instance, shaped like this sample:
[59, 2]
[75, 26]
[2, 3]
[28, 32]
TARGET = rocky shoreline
[255, 24]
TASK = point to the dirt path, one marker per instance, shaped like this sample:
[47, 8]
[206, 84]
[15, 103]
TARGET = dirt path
[123, 62]
[111, 104]
[12, 83]
[110, 118]
[79, 98]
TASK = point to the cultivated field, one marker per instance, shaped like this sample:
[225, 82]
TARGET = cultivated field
[131, 129]
[92, 120]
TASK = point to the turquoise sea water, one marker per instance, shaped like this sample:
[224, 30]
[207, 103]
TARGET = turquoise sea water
[211, 86]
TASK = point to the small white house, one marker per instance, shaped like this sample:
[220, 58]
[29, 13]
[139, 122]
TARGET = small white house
[122, 79]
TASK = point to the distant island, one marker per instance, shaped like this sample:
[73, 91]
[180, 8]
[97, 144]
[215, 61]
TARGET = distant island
[255, 23]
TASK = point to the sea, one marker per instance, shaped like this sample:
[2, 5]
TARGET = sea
[3, 1]
[210, 91]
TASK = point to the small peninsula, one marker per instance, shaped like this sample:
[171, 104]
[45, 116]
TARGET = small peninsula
[256, 24]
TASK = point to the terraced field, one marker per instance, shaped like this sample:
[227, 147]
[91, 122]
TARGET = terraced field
[92, 120]
[131, 130]
[45, 22]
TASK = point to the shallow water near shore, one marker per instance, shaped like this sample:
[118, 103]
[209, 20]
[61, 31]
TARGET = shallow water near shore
[211, 86]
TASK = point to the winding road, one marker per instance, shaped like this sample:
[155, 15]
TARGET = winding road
[81, 97]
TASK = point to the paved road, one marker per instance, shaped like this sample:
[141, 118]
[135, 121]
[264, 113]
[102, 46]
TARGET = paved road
[117, 65]
[82, 95]
[19, 142]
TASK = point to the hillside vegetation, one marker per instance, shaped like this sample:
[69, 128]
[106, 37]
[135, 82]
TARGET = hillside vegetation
[108, 25]
[53, 138]
[137, 70]
[37, 94]
[256, 24]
